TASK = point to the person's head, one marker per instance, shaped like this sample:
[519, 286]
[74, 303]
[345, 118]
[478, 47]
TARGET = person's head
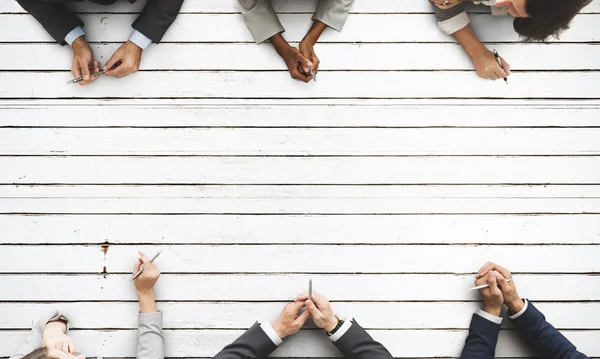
[47, 353]
[537, 20]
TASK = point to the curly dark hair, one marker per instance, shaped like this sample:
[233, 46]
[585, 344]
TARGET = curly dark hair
[547, 18]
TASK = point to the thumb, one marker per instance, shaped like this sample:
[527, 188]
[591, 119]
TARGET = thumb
[116, 57]
[145, 260]
[504, 285]
[506, 66]
[312, 308]
[305, 63]
[85, 70]
[303, 317]
[494, 284]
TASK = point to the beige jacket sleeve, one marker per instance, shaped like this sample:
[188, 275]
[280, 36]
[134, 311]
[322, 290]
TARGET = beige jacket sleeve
[33, 341]
[151, 343]
[261, 19]
[333, 13]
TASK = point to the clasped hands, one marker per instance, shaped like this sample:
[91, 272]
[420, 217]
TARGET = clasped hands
[501, 291]
[126, 60]
[290, 321]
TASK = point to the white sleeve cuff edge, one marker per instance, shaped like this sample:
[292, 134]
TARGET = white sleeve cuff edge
[455, 23]
[343, 329]
[270, 332]
[490, 317]
[515, 316]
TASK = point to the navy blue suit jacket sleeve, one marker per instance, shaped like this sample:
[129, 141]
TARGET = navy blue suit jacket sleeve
[543, 338]
[482, 339]
[253, 344]
[356, 343]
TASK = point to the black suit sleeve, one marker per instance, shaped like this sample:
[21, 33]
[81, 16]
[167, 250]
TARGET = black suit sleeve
[156, 18]
[482, 339]
[543, 338]
[54, 17]
[253, 344]
[356, 343]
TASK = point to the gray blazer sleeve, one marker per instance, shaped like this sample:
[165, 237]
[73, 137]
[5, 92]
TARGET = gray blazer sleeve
[33, 341]
[261, 19]
[151, 343]
[333, 13]
[453, 19]
[356, 343]
[253, 344]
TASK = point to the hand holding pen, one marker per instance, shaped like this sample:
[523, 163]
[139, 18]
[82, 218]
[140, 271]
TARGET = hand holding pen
[145, 272]
[500, 62]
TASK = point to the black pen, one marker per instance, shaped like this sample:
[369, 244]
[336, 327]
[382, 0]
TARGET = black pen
[497, 56]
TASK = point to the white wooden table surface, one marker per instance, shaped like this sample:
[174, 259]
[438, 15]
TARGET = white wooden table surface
[390, 181]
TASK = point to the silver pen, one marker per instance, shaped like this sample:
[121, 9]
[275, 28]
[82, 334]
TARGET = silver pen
[142, 266]
[310, 289]
[486, 285]
[312, 73]
[79, 79]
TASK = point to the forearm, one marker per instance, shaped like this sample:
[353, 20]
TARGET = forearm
[315, 32]
[147, 302]
[469, 41]
[279, 44]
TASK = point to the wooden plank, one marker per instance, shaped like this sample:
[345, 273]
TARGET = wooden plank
[319, 200]
[291, 170]
[231, 28]
[167, 229]
[206, 343]
[200, 57]
[442, 84]
[272, 287]
[300, 142]
[232, 315]
[140, 113]
[281, 6]
[302, 258]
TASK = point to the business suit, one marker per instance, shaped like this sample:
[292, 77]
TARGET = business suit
[150, 337]
[260, 341]
[541, 336]
[263, 23]
[154, 21]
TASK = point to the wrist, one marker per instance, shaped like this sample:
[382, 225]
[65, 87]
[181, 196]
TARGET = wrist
[79, 43]
[331, 325]
[279, 330]
[476, 52]
[135, 46]
[493, 310]
[515, 306]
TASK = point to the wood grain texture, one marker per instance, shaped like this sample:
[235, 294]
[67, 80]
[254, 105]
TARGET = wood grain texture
[315, 229]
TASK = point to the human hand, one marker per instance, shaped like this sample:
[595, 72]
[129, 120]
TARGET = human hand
[289, 321]
[509, 290]
[83, 61]
[297, 64]
[492, 296]
[446, 4]
[487, 66]
[125, 61]
[54, 337]
[307, 50]
[320, 310]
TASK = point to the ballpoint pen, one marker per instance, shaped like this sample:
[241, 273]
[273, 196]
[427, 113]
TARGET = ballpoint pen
[310, 289]
[142, 266]
[497, 56]
[487, 285]
[79, 79]
[312, 73]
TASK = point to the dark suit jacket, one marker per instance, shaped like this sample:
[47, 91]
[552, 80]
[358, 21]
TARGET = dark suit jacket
[541, 336]
[356, 343]
[154, 21]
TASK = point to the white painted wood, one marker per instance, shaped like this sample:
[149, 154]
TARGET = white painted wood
[231, 28]
[403, 229]
[199, 57]
[313, 170]
[409, 343]
[303, 258]
[228, 84]
[282, 287]
[231, 315]
[299, 113]
[300, 142]
[282, 6]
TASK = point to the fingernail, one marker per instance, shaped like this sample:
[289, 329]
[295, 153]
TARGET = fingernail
[310, 63]
[86, 77]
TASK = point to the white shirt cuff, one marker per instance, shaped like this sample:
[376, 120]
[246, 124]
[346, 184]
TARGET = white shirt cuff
[271, 333]
[74, 34]
[454, 24]
[343, 329]
[515, 316]
[490, 317]
[141, 40]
